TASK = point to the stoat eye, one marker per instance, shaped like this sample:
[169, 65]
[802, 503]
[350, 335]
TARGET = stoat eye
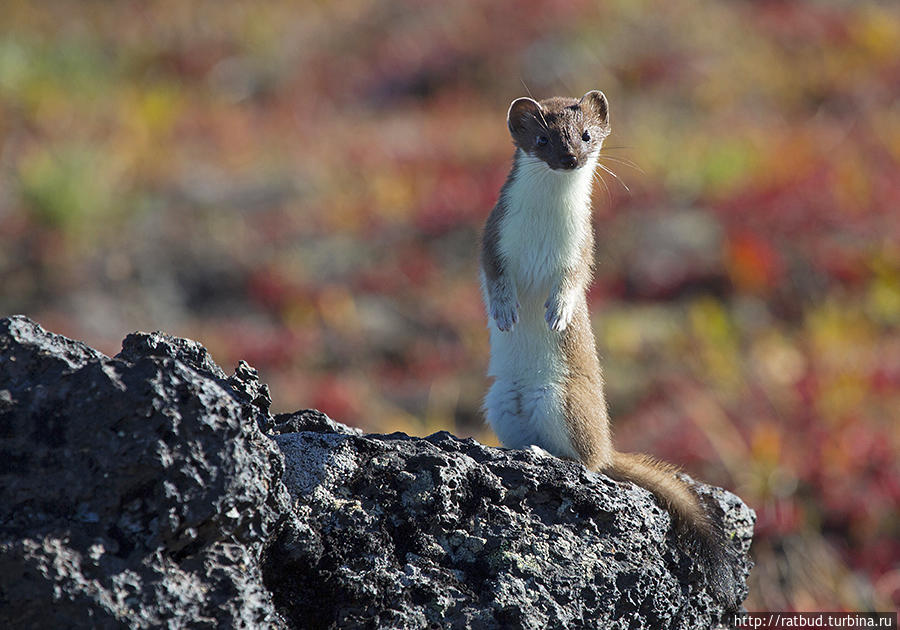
[541, 141]
[586, 136]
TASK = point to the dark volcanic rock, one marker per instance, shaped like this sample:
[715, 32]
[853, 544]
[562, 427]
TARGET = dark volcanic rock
[134, 491]
[308, 420]
[412, 533]
[150, 490]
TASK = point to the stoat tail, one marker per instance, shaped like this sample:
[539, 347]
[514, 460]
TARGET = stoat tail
[704, 540]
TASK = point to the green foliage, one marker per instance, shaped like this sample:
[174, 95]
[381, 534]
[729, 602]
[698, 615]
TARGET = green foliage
[62, 189]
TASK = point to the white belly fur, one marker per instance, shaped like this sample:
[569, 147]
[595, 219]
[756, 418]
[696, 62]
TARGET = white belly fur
[542, 233]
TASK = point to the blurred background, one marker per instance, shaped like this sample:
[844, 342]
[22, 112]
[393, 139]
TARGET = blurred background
[301, 185]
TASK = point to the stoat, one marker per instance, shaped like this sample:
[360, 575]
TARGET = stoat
[536, 264]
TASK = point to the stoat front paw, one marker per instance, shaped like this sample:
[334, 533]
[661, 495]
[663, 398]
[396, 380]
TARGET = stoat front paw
[505, 313]
[503, 300]
[559, 312]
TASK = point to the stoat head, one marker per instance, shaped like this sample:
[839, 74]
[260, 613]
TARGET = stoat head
[563, 132]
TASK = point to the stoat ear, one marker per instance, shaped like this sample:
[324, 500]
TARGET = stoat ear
[521, 110]
[595, 101]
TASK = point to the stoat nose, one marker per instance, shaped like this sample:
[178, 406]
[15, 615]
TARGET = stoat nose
[568, 161]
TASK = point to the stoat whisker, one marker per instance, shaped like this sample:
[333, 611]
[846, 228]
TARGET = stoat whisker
[624, 185]
[622, 161]
[599, 178]
[534, 170]
[540, 111]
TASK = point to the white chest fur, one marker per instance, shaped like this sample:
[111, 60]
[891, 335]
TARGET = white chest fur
[542, 234]
[545, 224]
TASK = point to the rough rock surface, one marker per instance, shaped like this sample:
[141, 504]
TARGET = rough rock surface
[135, 491]
[151, 490]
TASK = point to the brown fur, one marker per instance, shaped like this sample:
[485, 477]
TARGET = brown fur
[491, 260]
[586, 411]
[659, 478]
